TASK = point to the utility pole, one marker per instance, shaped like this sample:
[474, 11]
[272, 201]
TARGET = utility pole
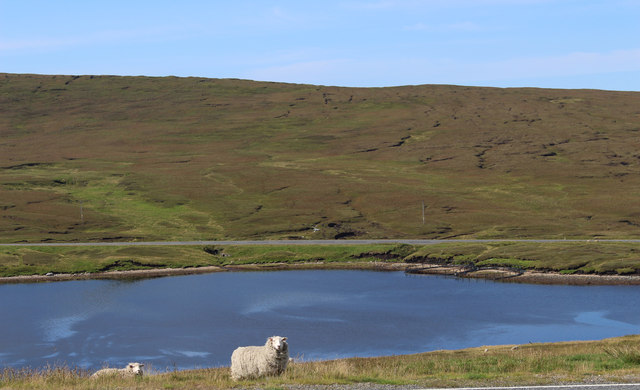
[423, 212]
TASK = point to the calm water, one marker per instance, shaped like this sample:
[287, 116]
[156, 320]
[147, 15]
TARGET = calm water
[197, 321]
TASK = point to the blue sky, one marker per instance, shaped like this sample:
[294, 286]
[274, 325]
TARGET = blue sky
[360, 43]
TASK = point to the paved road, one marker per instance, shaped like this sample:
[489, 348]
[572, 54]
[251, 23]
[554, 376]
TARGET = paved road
[294, 242]
[632, 386]
[375, 386]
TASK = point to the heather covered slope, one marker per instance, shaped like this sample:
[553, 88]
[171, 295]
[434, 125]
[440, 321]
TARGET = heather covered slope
[95, 158]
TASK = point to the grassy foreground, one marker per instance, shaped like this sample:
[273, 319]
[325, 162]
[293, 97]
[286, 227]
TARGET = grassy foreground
[609, 360]
[617, 258]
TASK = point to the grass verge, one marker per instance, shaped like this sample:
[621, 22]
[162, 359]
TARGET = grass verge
[609, 360]
[599, 258]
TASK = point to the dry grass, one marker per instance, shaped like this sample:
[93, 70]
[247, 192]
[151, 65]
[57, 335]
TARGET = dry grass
[610, 360]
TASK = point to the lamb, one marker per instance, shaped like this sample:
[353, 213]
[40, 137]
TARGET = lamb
[132, 370]
[255, 361]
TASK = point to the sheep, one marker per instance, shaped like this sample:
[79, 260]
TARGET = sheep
[254, 361]
[132, 370]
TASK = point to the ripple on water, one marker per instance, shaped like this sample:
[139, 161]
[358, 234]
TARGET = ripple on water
[598, 318]
[189, 354]
[57, 329]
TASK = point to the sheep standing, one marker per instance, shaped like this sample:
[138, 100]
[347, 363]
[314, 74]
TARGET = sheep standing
[131, 370]
[254, 361]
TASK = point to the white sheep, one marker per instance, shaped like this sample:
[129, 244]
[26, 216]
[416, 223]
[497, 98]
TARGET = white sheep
[131, 370]
[254, 362]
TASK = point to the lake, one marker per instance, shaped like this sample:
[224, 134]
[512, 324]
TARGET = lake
[196, 321]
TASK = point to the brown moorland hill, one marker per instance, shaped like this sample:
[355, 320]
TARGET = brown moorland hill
[94, 158]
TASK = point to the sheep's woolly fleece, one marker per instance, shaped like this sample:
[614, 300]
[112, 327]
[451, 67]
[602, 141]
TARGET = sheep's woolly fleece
[131, 370]
[257, 361]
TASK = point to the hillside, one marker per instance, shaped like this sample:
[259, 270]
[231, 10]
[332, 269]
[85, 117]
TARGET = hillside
[95, 158]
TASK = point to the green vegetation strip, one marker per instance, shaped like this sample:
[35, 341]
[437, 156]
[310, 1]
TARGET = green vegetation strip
[610, 360]
[619, 258]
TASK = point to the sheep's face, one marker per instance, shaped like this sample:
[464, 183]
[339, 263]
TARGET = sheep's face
[135, 368]
[278, 343]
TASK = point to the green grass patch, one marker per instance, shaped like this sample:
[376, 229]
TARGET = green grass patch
[512, 262]
[69, 260]
[566, 258]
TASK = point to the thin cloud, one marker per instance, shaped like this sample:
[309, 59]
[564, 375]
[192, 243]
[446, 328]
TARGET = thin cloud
[459, 27]
[36, 43]
[365, 72]
[387, 4]
[372, 5]
[104, 37]
[577, 63]
[312, 72]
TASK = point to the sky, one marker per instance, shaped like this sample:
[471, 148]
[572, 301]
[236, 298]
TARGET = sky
[355, 43]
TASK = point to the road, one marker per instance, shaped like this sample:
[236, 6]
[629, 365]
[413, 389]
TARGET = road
[375, 386]
[297, 242]
[631, 386]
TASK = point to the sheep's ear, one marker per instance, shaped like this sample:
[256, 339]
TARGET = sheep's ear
[284, 339]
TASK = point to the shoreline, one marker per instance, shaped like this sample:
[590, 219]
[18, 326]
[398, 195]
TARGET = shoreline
[496, 274]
